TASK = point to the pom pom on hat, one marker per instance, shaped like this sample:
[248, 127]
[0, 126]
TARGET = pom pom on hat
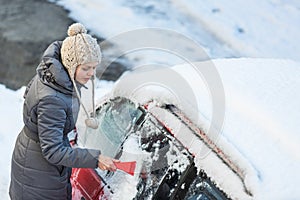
[79, 48]
[75, 29]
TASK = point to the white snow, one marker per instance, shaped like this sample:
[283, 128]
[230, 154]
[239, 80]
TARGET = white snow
[262, 95]
[266, 29]
[11, 104]
[262, 106]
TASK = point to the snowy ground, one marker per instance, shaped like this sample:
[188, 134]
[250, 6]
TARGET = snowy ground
[261, 95]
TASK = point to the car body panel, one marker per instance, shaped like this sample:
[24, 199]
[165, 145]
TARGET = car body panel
[87, 185]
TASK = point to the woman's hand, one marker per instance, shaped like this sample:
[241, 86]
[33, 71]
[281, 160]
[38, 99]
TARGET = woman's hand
[107, 163]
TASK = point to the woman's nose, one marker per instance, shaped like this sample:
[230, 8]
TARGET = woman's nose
[91, 72]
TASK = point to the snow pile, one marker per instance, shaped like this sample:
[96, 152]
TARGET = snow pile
[261, 111]
[262, 98]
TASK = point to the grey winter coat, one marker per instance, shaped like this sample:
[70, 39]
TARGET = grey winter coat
[42, 158]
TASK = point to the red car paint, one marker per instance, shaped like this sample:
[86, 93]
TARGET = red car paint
[86, 185]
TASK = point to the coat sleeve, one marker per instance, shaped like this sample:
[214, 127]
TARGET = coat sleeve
[51, 120]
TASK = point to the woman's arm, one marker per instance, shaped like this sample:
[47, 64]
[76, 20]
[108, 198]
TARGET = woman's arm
[51, 120]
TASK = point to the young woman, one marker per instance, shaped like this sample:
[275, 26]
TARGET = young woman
[43, 158]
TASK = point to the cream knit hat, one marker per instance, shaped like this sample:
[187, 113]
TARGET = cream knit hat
[79, 48]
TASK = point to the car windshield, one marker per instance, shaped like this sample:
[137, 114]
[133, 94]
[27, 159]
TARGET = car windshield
[116, 118]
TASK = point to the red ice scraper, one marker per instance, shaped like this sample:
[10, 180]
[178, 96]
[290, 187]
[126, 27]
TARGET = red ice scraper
[127, 167]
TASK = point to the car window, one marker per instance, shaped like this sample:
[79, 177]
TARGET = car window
[168, 165]
[116, 118]
[203, 188]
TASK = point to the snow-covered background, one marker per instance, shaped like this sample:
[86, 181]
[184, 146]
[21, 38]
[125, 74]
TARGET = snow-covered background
[261, 94]
[268, 28]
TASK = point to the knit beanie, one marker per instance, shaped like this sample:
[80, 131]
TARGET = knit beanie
[79, 48]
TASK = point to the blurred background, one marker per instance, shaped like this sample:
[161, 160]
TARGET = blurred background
[265, 29]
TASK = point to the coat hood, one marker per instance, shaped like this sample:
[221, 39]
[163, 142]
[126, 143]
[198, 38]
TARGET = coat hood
[51, 71]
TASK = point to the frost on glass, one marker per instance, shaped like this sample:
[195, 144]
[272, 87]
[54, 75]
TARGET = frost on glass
[165, 168]
[116, 119]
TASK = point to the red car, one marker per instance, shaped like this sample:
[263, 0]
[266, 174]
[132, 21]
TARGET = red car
[166, 167]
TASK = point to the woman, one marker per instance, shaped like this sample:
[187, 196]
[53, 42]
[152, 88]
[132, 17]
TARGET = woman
[43, 158]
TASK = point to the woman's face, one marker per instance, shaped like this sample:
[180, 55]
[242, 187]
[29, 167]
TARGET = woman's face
[84, 72]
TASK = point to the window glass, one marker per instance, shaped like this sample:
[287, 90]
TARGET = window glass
[167, 164]
[116, 119]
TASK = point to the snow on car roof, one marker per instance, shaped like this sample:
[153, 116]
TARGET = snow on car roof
[261, 106]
